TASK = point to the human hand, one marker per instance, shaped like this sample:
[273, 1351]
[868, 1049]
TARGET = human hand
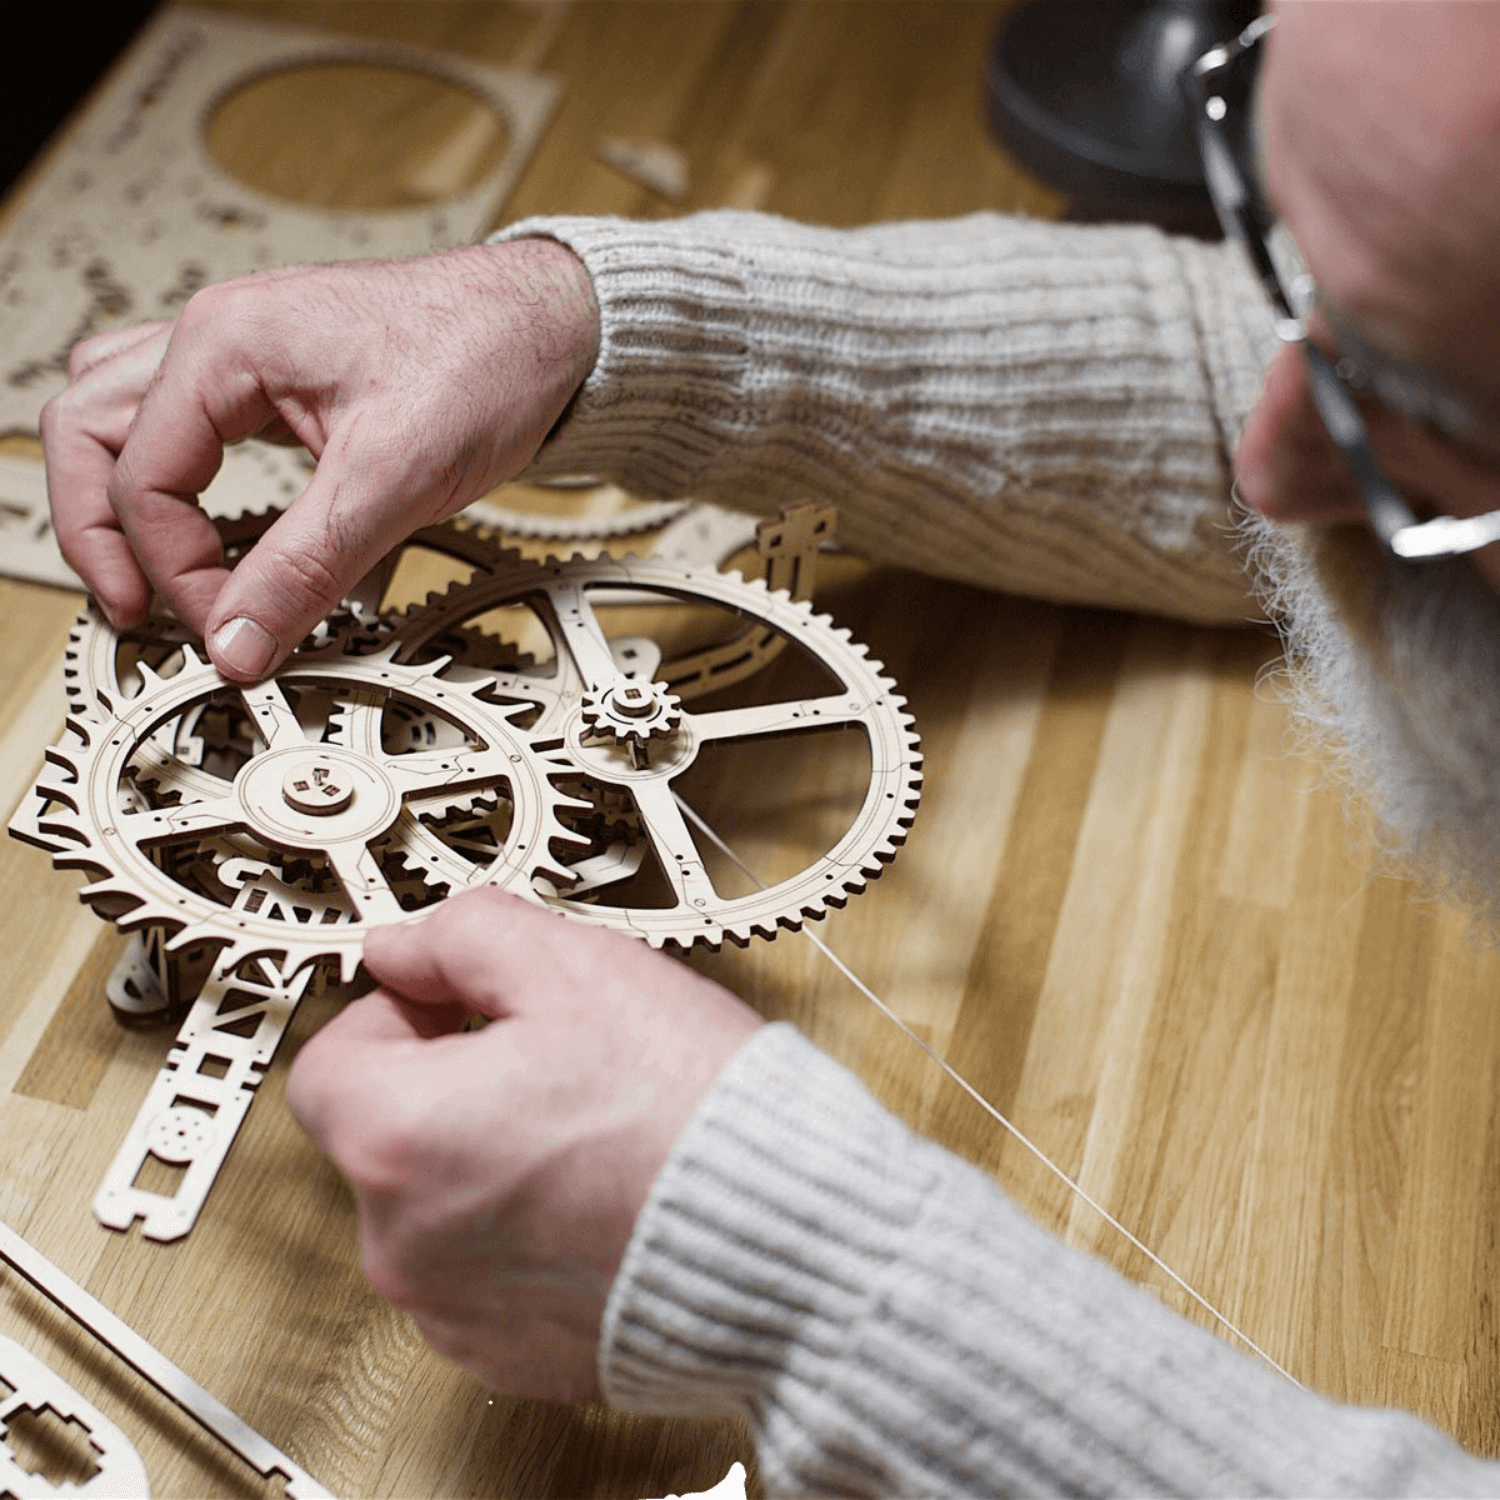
[417, 386]
[499, 1172]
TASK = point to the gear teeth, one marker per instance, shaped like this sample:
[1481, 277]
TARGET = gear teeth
[67, 755]
[188, 935]
[104, 889]
[537, 527]
[558, 875]
[774, 617]
[58, 758]
[101, 756]
[53, 822]
[247, 527]
[85, 773]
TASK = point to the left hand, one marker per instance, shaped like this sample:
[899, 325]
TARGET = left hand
[499, 1172]
[417, 385]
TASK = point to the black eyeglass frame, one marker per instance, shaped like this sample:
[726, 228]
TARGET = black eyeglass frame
[1246, 219]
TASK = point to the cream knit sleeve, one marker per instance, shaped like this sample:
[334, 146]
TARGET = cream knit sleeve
[1041, 408]
[892, 1325]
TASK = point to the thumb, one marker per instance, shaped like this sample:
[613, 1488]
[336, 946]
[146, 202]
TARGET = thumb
[484, 950]
[365, 1041]
[498, 955]
[299, 571]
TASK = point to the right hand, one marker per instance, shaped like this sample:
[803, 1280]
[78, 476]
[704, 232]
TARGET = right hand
[499, 1173]
[417, 385]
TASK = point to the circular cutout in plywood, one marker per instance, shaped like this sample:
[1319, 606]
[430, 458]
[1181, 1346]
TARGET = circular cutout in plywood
[370, 135]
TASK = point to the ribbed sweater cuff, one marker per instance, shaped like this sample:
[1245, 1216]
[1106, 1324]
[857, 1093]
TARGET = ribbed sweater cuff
[672, 356]
[893, 1325]
[732, 1286]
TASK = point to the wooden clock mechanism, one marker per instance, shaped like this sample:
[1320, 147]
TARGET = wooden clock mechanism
[543, 727]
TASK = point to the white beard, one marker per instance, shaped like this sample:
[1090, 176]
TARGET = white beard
[1394, 674]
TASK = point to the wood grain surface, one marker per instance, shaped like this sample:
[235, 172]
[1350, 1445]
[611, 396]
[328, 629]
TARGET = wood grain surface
[1129, 915]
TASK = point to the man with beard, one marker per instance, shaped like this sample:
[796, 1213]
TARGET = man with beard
[645, 1191]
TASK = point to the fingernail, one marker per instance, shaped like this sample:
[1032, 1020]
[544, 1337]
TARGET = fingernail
[244, 647]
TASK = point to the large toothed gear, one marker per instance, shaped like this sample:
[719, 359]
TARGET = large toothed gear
[587, 666]
[313, 837]
[576, 530]
[359, 785]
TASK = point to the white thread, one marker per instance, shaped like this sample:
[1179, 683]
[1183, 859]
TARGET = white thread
[1015, 1131]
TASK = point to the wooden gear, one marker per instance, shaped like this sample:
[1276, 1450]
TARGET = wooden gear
[251, 834]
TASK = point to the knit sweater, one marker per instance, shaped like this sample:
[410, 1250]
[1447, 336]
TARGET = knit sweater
[1038, 408]
[1025, 406]
[892, 1325]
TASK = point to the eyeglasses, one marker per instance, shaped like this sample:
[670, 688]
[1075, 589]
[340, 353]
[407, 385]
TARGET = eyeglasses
[1221, 87]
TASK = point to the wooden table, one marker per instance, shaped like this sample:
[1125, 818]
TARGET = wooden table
[1129, 914]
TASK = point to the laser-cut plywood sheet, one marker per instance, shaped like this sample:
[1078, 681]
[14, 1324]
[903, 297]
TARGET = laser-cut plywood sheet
[112, 1467]
[133, 215]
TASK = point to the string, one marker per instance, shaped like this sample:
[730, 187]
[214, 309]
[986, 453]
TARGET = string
[1075, 1187]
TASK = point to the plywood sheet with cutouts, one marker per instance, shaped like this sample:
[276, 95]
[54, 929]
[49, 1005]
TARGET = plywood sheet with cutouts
[134, 214]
